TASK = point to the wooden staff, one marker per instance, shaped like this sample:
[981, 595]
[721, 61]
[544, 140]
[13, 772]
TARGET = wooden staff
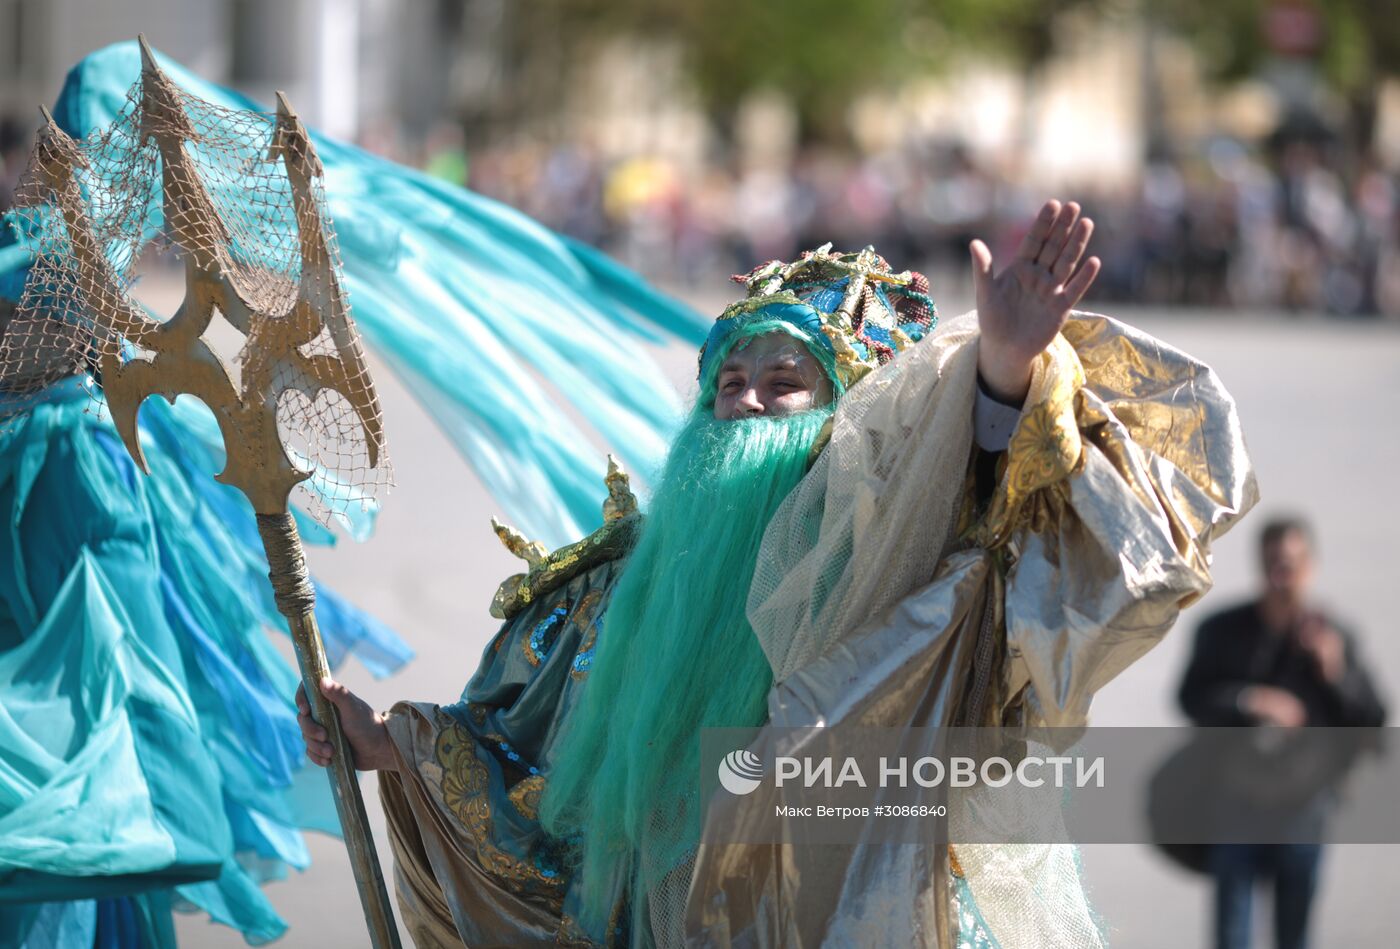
[296, 600]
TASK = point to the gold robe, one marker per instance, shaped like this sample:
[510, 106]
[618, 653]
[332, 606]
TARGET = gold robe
[1128, 460]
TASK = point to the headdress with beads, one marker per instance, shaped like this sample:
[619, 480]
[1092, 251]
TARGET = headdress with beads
[852, 303]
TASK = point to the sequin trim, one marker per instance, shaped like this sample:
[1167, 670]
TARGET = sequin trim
[590, 618]
[538, 644]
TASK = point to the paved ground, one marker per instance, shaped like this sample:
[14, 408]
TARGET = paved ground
[1320, 402]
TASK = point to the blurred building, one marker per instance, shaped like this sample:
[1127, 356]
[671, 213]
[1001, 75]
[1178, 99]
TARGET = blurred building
[347, 65]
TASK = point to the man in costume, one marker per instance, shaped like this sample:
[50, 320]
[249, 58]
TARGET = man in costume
[862, 521]
[1277, 660]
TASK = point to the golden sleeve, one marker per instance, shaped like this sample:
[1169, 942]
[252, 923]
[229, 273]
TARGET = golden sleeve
[1127, 463]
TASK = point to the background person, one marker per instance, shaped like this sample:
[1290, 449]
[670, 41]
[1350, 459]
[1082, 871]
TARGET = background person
[1276, 660]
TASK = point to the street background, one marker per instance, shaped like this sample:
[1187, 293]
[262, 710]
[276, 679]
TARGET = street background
[1239, 156]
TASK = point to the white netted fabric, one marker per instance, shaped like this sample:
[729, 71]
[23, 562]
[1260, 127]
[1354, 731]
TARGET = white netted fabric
[666, 905]
[1030, 896]
[871, 520]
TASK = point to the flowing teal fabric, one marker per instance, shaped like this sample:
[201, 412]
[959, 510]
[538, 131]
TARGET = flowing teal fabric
[147, 734]
[490, 319]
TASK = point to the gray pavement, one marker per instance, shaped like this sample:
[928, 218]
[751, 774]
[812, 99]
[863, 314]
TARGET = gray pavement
[1320, 402]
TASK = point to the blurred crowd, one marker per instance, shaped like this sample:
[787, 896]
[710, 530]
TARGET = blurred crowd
[1278, 227]
[1295, 224]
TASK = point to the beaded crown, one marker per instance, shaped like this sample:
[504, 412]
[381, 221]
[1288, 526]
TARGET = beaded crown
[853, 303]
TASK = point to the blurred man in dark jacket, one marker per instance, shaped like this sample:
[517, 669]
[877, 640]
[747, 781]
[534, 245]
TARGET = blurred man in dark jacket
[1278, 660]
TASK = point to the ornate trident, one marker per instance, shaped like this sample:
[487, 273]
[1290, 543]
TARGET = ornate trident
[299, 339]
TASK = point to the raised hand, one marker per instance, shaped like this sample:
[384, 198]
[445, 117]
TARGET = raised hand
[364, 728]
[1021, 307]
[1326, 647]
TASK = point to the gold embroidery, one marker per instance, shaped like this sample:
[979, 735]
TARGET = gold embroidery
[586, 618]
[1044, 451]
[464, 786]
[571, 934]
[526, 796]
[585, 613]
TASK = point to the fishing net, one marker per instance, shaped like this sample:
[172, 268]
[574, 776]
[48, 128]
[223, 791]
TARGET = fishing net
[234, 198]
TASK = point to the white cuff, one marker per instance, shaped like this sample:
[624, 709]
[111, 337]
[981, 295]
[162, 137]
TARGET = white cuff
[993, 422]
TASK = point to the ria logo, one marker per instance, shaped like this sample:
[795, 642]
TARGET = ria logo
[740, 772]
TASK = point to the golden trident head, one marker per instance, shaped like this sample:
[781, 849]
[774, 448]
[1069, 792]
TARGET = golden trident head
[300, 345]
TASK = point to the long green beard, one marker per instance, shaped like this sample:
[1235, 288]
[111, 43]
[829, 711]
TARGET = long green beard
[676, 654]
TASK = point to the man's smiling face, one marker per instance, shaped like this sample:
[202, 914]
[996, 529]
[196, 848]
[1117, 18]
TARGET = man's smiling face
[773, 374]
